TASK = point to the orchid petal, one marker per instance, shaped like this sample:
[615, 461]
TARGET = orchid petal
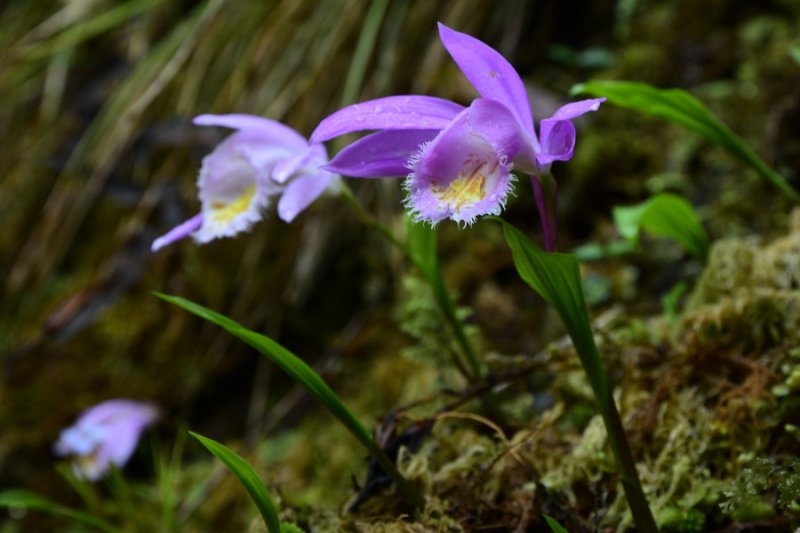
[126, 435]
[105, 434]
[392, 113]
[576, 109]
[178, 232]
[266, 130]
[301, 192]
[496, 123]
[262, 158]
[460, 175]
[558, 141]
[381, 154]
[284, 168]
[489, 72]
[231, 193]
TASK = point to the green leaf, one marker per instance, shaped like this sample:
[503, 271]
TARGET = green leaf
[794, 51]
[422, 247]
[305, 375]
[290, 363]
[29, 500]
[594, 251]
[664, 215]
[671, 300]
[553, 523]
[248, 477]
[680, 107]
[556, 277]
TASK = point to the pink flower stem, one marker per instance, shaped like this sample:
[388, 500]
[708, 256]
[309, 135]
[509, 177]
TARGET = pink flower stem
[545, 195]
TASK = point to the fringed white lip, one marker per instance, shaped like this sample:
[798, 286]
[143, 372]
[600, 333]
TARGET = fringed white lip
[459, 175]
[262, 159]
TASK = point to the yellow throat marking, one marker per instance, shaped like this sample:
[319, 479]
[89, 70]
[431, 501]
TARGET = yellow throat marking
[462, 191]
[223, 213]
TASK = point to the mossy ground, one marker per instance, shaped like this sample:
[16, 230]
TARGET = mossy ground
[100, 157]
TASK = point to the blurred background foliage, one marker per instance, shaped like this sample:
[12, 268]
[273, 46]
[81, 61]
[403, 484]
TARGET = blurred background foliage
[100, 157]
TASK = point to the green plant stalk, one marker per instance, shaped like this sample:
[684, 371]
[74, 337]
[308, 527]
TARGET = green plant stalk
[305, 375]
[122, 494]
[433, 275]
[448, 308]
[556, 277]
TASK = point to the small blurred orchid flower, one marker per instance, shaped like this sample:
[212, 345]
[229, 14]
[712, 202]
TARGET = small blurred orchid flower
[263, 158]
[460, 159]
[103, 435]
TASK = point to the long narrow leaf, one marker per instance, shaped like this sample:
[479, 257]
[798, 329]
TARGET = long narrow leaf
[290, 363]
[29, 500]
[248, 477]
[664, 215]
[680, 107]
[305, 375]
[554, 525]
[557, 279]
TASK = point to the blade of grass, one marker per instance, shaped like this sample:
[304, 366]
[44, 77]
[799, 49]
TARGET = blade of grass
[29, 500]
[363, 52]
[247, 475]
[554, 525]
[305, 375]
[82, 31]
[680, 107]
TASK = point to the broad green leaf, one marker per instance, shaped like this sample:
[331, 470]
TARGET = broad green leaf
[305, 375]
[556, 277]
[554, 525]
[29, 500]
[794, 51]
[680, 107]
[248, 477]
[664, 215]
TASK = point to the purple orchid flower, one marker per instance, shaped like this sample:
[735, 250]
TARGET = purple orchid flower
[105, 435]
[262, 159]
[460, 159]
